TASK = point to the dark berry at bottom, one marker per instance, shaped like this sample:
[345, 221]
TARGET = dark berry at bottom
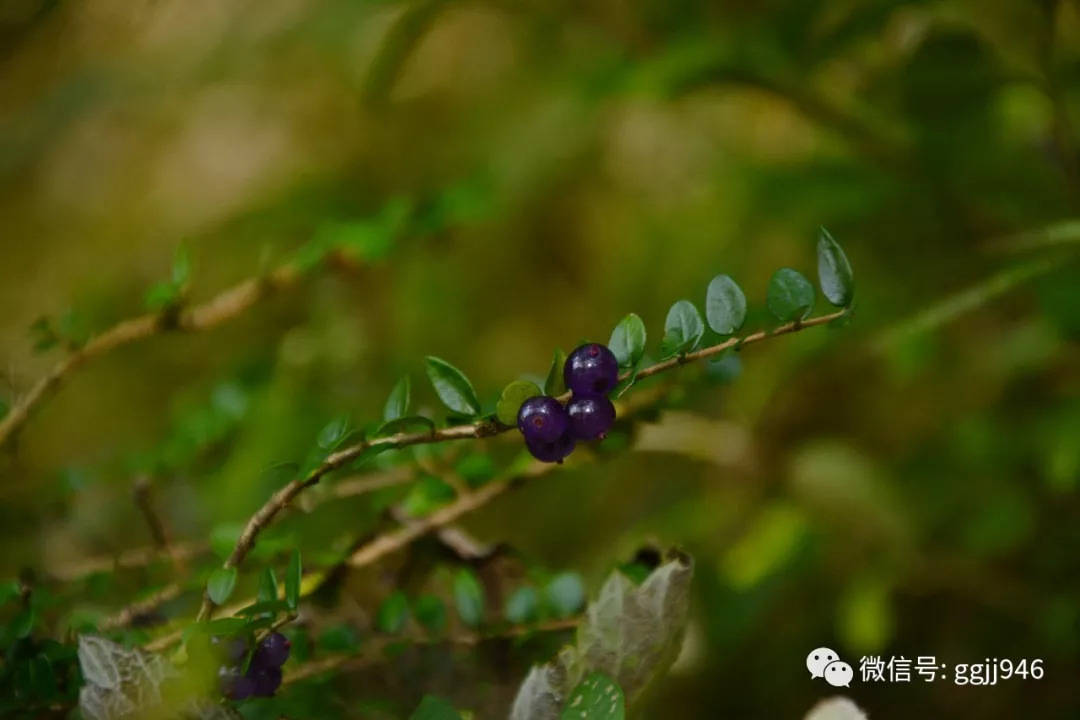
[590, 417]
[235, 685]
[542, 419]
[553, 451]
[266, 681]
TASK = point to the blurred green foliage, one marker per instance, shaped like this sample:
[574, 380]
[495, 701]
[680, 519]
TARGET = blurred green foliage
[486, 182]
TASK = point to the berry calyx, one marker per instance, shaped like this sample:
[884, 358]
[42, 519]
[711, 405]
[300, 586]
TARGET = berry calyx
[542, 419]
[591, 370]
[591, 416]
[553, 451]
[273, 651]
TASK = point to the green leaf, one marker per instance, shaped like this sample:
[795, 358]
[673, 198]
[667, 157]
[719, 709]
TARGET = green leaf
[22, 624]
[523, 606]
[725, 305]
[597, 697]
[268, 585]
[628, 340]
[513, 395]
[555, 383]
[435, 708]
[340, 638]
[566, 594]
[790, 296]
[682, 329]
[221, 584]
[834, 271]
[181, 267]
[223, 626]
[402, 424]
[430, 611]
[161, 295]
[9, 590]
[333, 433]
[476, 469]
[452, 387]
[43, 678]
[264, 606]
[292, 581]
[368, 453]
[393, 613]
[398, 402]
[426, 495]
[469, 597]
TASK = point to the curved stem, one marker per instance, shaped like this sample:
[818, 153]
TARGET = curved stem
[219, 309]
[483, 428]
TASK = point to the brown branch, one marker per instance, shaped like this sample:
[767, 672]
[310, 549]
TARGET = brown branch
[221, 308]
[129, 614]
[481, 429]
[374, 649]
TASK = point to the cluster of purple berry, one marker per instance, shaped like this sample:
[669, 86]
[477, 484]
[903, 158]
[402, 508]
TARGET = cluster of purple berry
[263, 676]
[551, 430]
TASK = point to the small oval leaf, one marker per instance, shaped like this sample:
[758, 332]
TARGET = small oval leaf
[513, 395]
[452, 387]
[790, 296]
[523, 606]
[221, 584]
[430, 612]
[597, 697]
[725, 305]
[628, 340]
[682, 329]
[555, 385]
[393, 613]
[469, 598]
[566, 594]
[398, 402]
[334, 432]
[268, 585]
[292, 581]
[834, 271]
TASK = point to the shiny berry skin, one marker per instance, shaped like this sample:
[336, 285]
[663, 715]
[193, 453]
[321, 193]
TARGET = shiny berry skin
[273, 651]
[265, 681]
[591, 370]
[591, 416]
[542, 419]
[553, 451]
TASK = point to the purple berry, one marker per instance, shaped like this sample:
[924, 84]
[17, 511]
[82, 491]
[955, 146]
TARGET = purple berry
[235, 685]
[553, 451]
[590, 416]
[542, 419]
[273, 651]
[265, 681]
[591, 370]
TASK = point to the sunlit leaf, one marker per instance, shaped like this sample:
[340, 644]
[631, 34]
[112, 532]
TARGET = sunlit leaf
[513, 395]
[628, 340]
[725, 305]
[834, 271]
[790, 295]
[221, 584]
[683, 329]
[398, 402]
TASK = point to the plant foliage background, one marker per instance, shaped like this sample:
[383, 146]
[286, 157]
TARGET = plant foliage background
[485, 182]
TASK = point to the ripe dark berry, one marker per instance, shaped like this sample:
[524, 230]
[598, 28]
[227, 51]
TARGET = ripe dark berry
[265, 681]
[234, 685]
[273, 651]
[542, 419]
[591, 370]
[590, 416]
[553, 451]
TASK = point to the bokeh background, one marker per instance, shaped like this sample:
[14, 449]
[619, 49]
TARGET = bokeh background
[513, 177]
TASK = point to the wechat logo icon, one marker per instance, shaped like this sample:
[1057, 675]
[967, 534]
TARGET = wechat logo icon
[826, 663]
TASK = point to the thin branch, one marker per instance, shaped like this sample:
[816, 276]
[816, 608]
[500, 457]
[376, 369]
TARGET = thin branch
[138, 609]
[374, 650]
[219, 309]
[481, 429]
[129, 559]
